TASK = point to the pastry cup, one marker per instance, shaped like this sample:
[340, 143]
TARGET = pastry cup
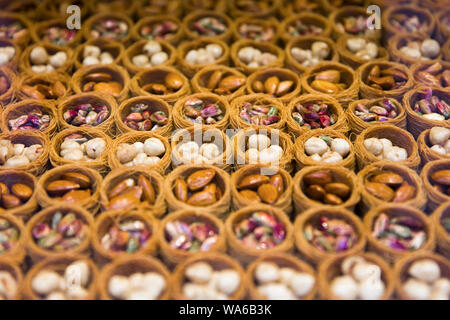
[106, 126]
[155, 104]
[408, 9]
[443, 31]
[59, 264]
[202, 135]
[335, 108]
[358, 125]
[263, 47]
[180, 120]
[284, 201]
[349, 58]
[99, 164]
[9, 74]
[8, 17]
[87, 26]
[399, 137]
[126, 266]
[119, 74]
[331, 268]
[25, 63]
[282, 260]
[401, 39]
[393, 210]
[173, 256]
[236, 121]
[305, 42]
[23, 107]
[200, 81]
[37, 253]
[308, 18]
[43, 79]
[402, 265]
[13, 268]
[270, 11]
[435, 197]
[222, 179]
[146, 20]
[442, 235]
[191, 69]
[132, 137]
[245, 254]
[107, 219]
[264, 23]
[303, 160]
[218, 261]
[38, 30]
[157, 75]
[422, 66]
[116, 49]
[117, 175]
[28, 138]
[276, 136]
[11, 177]
[137, 48]
[369, 201]
[315, 255]
[17, 253]
[194, 16]
[425, 151]
[367, 92]
[302, 202]
[347, 76]
[90, 203]
[347, 11]
[417, 123]
[282, 75]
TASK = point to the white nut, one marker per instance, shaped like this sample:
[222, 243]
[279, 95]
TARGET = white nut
[341, 146]
[126, 152]
[430, 48]
[267, 272]
[89, 61]
[344, 287]
[439, 135]
[58, 59]
[38, 55]
[45, 282]
[91, 51]
[426, 270]
[154, 147]
[159, 58]
[320, 49]
[152, 47]
[315, 145]
[373, 145]
[95, 147]
[140, 60]
[258, 142]
[199, 272]
[416, 289]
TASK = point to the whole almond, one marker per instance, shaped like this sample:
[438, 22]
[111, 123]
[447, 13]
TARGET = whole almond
[214, 79]
[325, 86]
[252, 181]
[337, 188]
[60, 187]
[83, 180]
[315, 192]
[75, 196]
[3, 188]
[333, 76]
[380, 190]
[271, 85]
[58, 89]
[22, 191]
[258, 86]
[200, 179]
[10, 201]
[441, 177]
[147, 188]
[250, 195]
[330, 198]
[268, 193]
[112, 88]
[173, 81]
[98, 77]
[231, 83]
[404, 193]
[202, 199]
[121, 187]
[320, 177]
[181, 190]
[122, 202]
[284, 87]
[277, 181]
[389, 178]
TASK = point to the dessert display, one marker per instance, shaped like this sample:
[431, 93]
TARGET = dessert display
[215, 150]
